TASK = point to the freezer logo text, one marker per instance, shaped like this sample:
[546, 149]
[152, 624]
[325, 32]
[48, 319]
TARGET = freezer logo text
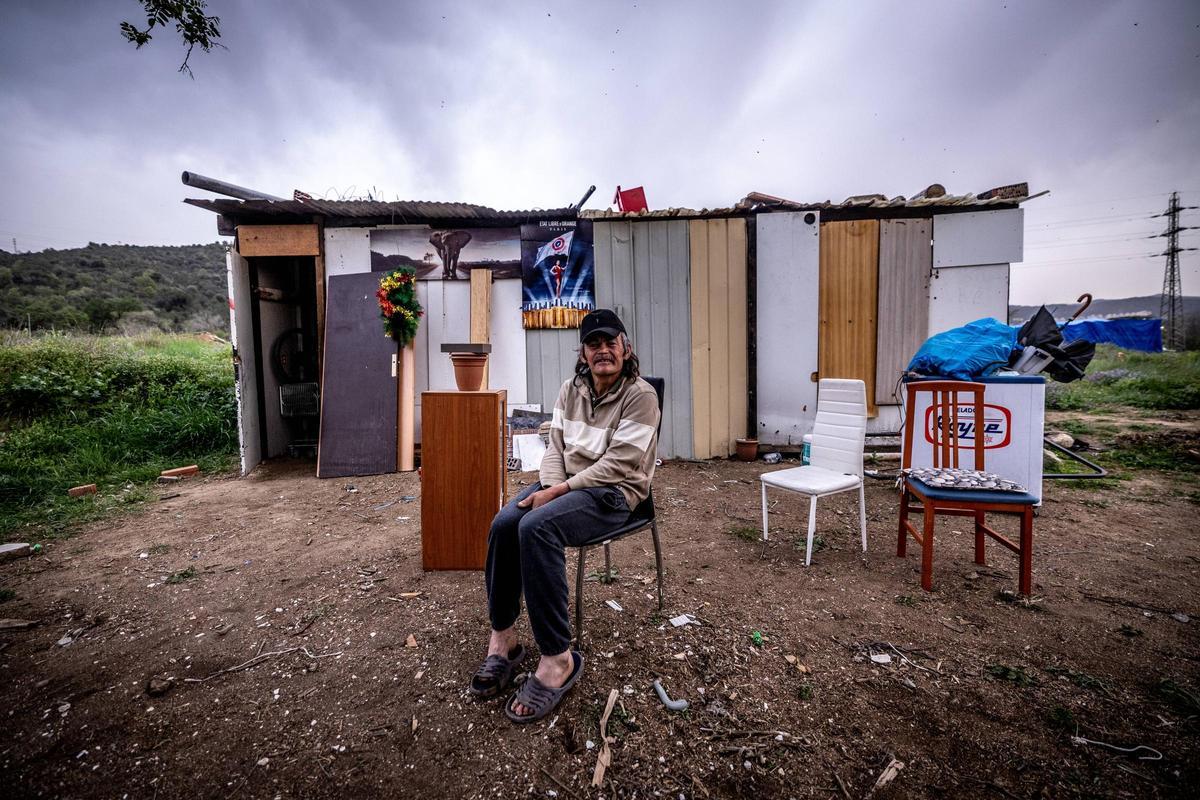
[996, 425]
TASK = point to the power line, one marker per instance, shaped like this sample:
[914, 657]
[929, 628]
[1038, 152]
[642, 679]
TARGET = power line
[1096, 260]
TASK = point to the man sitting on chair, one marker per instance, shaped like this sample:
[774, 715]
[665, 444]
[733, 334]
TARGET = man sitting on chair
[598, 467]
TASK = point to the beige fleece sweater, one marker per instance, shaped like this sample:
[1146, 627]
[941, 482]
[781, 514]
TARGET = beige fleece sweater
[607, 441]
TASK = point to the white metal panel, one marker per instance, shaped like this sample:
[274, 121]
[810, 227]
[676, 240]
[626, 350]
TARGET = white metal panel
[347, 251]
[962, 295]
[447, 319]
[788, 269]
[887, 419]
[550, 355]
[506, 364]
[241, 331]
[978, 237]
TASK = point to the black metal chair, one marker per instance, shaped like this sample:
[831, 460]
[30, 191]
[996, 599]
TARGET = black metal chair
[641, 517]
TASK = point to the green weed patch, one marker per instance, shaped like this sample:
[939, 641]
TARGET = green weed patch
[110, 411]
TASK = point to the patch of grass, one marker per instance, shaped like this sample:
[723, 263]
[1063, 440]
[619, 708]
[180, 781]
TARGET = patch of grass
[1062, 719]
[1017, 675]
[159, 549]
[601, 576]
[806, 691]
[1163, 451]
[1092, 502]
[907, 600]
[1182, 699]
[181, 575]
[110, 411]
[1083, 680]
[746, 533]
[6, 595]
[1155, 381]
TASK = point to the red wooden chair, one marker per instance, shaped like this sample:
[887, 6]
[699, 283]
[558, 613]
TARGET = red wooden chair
[944, 431]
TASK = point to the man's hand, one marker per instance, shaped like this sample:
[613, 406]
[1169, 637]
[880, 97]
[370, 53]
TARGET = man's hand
[539, 499]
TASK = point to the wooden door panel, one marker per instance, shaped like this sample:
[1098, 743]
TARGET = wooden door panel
[849, 293]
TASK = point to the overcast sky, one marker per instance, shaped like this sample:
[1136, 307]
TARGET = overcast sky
[526, 105]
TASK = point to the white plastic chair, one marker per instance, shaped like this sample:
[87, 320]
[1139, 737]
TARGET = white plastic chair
[835, 458]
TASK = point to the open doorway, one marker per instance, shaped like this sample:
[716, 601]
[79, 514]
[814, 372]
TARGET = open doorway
[283, 307]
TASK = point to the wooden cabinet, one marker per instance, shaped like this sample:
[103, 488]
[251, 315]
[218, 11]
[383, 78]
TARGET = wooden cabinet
[463, 466]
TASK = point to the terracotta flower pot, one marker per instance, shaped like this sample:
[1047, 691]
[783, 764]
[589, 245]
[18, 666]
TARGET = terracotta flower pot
[746, 449]
[468, 370]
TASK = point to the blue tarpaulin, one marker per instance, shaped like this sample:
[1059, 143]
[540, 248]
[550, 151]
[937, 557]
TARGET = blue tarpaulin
[977, 348]
[1132, 334]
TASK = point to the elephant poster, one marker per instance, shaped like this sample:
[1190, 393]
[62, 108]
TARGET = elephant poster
[447, 253]
[558, 273]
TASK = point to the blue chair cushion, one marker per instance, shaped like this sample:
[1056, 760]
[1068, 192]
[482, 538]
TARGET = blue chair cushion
[970, 495]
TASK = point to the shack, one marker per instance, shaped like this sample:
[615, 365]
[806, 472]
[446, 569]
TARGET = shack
[741, 309]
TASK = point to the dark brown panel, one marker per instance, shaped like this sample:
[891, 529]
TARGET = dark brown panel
[462, 475]
[358, 392]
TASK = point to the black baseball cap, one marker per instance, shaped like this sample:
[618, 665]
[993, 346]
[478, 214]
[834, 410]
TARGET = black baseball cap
[602, 320]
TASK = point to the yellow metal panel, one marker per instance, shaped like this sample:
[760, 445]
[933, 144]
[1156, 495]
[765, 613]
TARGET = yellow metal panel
[701, 408]
[849, 293]
[738, 383]
[719, 356]
[718, 336]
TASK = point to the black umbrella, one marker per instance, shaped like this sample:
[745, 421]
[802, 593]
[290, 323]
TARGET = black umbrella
[1069, 360]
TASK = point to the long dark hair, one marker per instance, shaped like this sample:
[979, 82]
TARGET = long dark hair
[630, 369]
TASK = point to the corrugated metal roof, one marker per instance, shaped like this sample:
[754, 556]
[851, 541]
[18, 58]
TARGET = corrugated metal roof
[756, 201]
[402, 211]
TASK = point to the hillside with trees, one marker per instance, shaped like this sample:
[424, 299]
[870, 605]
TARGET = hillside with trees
[115, 288]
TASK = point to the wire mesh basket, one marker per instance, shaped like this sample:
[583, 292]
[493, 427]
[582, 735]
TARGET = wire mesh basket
[299, 400]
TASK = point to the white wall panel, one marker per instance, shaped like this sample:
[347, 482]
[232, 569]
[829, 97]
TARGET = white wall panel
[241, 330]
[506, 365]
[447, 319]
[978, 237]
[788, 265]
[347, 251]
[961, 295]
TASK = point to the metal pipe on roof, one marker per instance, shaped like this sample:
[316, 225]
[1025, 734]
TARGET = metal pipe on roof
[585, 197]
[221, 187]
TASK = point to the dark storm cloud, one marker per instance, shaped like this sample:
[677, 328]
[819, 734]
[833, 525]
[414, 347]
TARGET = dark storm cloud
[523, 105]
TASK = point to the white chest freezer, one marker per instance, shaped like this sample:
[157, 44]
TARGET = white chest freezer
[1014, 409]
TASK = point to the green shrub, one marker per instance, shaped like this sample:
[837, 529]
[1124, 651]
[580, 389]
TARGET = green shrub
[1155, 381]
[108, 411]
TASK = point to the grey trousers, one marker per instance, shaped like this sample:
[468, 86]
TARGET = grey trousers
[526, 554]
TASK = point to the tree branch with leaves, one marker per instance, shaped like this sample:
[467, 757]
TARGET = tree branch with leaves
[194, 26]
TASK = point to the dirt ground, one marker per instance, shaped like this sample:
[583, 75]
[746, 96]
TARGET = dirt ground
[276, 613]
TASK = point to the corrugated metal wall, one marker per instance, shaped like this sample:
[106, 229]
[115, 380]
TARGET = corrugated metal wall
[849, 292]
[905, 261]
[643, 274]
[550, 357]
[719, 352]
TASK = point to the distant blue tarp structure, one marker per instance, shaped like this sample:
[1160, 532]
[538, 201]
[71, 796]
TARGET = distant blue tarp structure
[1132, 334]
[976, 349]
